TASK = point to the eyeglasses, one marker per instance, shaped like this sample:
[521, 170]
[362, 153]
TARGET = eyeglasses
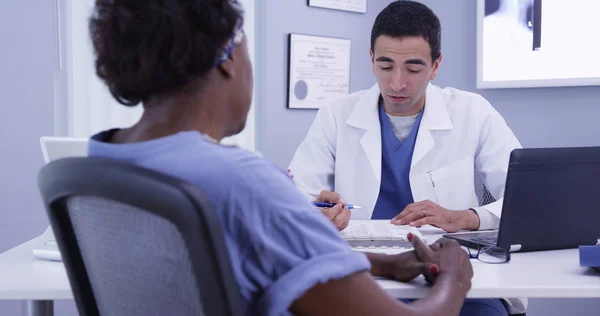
[232, 43]
[489, 254]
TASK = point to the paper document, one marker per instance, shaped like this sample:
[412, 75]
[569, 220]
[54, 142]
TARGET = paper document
[378, 233]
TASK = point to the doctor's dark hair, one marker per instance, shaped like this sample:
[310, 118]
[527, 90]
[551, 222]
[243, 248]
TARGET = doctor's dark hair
[154, 47]
[403, 18]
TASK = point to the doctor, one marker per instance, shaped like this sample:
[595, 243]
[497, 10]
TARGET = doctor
[405, 149]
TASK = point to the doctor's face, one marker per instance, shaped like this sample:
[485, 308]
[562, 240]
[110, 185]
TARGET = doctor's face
[403, 68]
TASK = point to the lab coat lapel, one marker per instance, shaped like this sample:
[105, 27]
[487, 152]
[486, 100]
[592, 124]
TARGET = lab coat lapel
[365, 117]
[435, 117]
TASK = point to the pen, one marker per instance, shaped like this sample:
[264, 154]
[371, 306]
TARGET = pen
[327, 204]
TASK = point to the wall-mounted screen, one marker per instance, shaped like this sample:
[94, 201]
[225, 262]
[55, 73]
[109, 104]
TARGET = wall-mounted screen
[538, 43]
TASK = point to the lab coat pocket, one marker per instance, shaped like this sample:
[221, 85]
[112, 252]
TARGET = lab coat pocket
[453, 185]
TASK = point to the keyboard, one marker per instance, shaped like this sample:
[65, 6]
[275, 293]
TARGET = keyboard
[378, 233]
[492, 240]
[475, 240]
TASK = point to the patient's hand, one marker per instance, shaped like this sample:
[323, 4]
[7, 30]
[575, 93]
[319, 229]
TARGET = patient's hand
[448, 256]
[406, 266]
[412, 265]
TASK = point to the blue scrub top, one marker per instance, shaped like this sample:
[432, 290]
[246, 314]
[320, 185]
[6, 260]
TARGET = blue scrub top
[396, 156]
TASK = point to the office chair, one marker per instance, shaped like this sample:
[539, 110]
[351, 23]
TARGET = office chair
[136, 242]
[483, 195]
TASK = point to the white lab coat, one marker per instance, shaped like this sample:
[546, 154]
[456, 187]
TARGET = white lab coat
[460, 134]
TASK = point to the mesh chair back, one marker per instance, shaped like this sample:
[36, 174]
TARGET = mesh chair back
[136, 242]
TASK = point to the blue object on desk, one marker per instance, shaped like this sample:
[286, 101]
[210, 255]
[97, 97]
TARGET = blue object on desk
[589, 256]
[327, 204]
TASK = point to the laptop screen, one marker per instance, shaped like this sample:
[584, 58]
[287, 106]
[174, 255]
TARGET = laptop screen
[61, 147]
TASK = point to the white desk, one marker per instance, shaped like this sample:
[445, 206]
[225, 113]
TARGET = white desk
[545, 274]
[38, 282]
[549, 274]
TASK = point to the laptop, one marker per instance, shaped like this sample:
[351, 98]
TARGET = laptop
[551, 201]
[55, 148]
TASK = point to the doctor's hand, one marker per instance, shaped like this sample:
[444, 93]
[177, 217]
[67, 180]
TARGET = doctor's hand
[339, 214]
[429, 213]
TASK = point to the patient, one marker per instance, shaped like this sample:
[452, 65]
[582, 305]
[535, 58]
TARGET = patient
[186, 61]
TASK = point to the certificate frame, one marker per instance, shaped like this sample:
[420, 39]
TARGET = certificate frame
[331, 4]
[309, 88]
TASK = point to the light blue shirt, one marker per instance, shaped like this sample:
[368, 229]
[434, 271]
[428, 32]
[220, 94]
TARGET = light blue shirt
[279, 244]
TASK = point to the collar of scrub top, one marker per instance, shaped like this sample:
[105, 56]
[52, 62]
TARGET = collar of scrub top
[232, 43]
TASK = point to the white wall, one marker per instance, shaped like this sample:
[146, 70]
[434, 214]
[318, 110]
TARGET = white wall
[27, 60]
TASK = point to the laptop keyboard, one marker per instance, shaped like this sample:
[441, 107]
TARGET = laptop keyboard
[486, 239]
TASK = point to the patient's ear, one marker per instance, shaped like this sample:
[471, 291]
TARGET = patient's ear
[227, 68]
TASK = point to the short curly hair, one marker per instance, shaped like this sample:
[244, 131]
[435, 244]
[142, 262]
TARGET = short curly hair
[152, 47]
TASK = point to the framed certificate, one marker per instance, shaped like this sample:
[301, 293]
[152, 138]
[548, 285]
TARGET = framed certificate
[319, 70]
[359, 6]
